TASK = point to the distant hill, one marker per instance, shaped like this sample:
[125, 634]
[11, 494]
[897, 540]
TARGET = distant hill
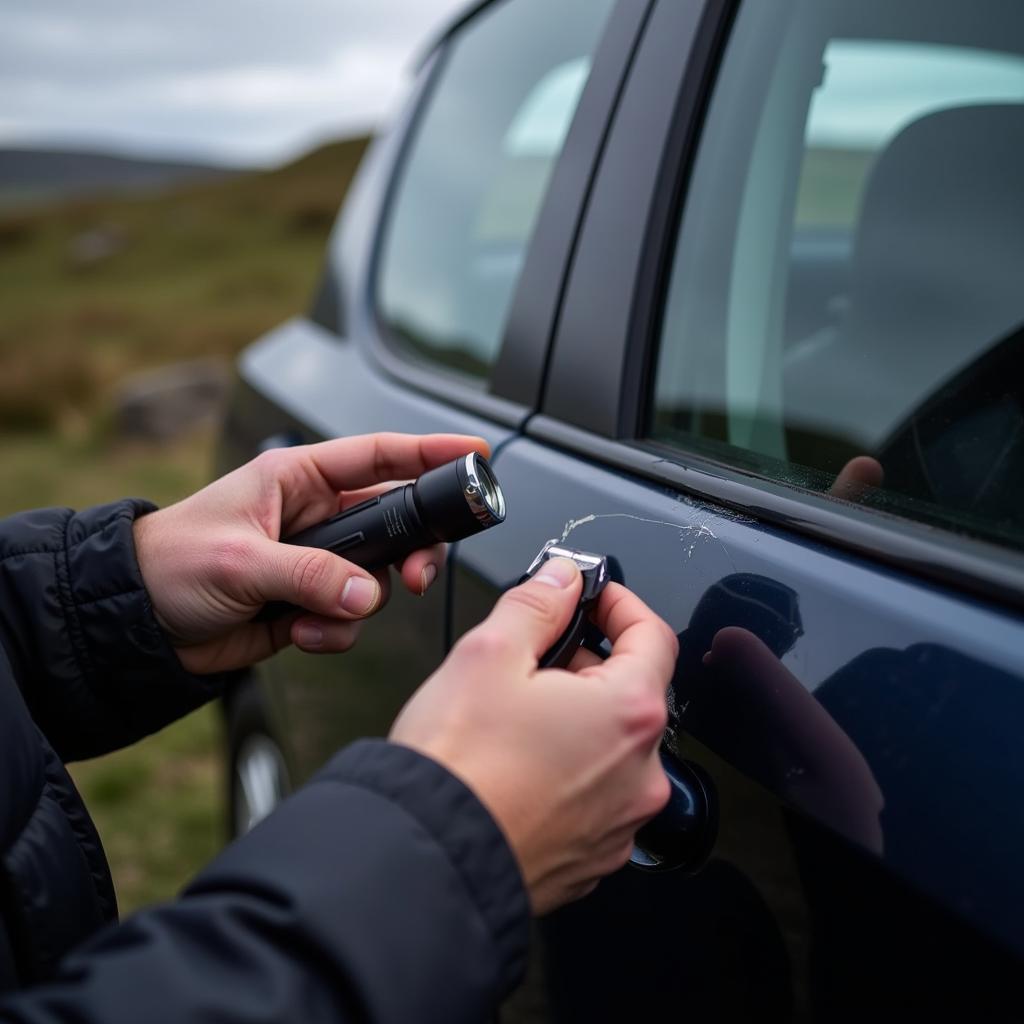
[44, 174]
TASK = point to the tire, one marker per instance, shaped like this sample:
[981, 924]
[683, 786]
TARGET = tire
[258, 778]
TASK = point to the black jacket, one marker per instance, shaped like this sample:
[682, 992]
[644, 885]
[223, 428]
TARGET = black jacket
[382, 891]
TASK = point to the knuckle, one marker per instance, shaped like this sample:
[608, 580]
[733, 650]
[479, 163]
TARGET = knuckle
[584, 889]
[615, 858]
[644, 712]
[659, 714]
[311, 575]
[536, 600]
[671, 639]
[383, 458]
[273, 462]
[483, 644]
[623, 854]
[656, 794]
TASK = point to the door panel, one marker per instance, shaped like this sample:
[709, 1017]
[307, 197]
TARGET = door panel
[301, 379]
[860, 728]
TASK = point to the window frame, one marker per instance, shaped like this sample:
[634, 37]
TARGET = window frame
[598, 407]
[513, 391]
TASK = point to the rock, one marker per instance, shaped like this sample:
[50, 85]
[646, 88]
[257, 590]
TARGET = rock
[99, 244]
[162, 404]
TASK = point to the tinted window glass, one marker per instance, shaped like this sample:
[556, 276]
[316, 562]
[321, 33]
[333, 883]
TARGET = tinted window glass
[848, 280]
[477, 173]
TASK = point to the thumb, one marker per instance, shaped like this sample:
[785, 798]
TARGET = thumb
[536, 613]
[316, 580]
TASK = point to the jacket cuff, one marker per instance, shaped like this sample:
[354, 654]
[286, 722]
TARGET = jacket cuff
[78, 629]
[119, 644]
[454, 817]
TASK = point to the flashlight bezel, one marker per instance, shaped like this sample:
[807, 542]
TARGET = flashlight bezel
[482, 492]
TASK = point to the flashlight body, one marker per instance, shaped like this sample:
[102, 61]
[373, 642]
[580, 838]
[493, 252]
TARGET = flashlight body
[446, 503]
[374, 533]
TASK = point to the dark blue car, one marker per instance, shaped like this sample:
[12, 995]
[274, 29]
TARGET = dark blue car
[736, 293]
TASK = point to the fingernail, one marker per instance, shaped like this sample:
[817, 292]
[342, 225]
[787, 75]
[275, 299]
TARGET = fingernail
[427, 577]
[309, 636]
[360, 595]
[559, 572]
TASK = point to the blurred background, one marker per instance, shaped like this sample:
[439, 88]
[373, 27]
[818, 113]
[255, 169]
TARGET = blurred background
[168, 178]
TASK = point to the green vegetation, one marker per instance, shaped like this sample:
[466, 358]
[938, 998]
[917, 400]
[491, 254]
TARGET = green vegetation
[42, 469]
[91, 290]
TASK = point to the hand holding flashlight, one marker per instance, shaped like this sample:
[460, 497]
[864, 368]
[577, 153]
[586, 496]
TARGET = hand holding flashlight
[447, 503]
[211, 562]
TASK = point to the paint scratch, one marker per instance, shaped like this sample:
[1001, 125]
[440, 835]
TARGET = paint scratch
[689, 533]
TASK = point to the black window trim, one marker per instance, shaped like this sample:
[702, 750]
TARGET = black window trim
[613, 286]
[519, 369]
[533, 315]
[597, 408]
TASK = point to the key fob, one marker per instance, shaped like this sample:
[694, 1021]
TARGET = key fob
[580, 632]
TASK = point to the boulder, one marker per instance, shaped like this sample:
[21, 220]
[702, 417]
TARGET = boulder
[162, 404]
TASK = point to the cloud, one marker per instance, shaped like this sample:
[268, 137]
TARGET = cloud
[245, 80]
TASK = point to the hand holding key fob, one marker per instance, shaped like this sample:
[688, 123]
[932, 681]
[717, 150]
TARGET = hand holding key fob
[580, 630]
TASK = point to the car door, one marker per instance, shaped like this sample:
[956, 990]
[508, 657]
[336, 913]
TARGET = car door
[469, 203]
[784, 397]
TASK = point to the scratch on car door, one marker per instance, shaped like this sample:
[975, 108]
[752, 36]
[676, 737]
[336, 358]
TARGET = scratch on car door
[690, 534]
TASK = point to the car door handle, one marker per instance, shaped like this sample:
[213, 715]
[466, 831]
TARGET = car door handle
[682, 835]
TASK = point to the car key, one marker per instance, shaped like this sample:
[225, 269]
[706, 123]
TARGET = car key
[580, 632]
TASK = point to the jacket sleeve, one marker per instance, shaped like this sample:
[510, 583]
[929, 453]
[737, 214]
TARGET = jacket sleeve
[78, 628]
[383, 893]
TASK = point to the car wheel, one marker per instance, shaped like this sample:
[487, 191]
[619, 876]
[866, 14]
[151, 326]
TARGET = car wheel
[258, 779]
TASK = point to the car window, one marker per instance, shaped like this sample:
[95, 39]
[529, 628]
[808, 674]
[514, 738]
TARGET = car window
[476, 175]
[847, 279]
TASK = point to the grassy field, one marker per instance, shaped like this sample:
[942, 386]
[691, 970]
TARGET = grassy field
[95, 288]
[92, 290]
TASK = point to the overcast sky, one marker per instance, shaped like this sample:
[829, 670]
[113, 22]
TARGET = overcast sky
[243, 81]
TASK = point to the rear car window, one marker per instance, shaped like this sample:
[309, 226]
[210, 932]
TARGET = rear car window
[845, 310]
[476, 174]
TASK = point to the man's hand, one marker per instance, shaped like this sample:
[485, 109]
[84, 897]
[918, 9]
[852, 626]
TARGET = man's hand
[565, 760]
[212, 561]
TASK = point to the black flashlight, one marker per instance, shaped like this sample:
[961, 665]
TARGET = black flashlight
[448, 503]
